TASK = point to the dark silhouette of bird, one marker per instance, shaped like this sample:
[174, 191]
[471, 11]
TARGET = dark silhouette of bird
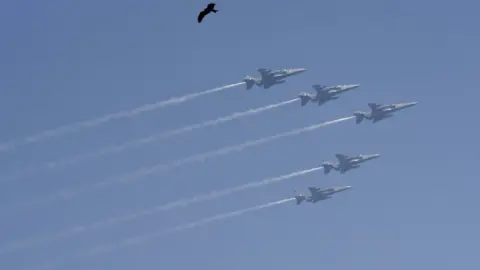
[208, 9]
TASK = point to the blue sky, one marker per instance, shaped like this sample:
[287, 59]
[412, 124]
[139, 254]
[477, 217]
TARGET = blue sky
[69, 61]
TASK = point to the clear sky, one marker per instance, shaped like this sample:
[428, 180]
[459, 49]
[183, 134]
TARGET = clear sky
[63, 62]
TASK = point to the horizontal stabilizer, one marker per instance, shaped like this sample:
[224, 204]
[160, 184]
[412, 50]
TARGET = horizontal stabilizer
[327, 167]
[359, 116]
[304, 98]
[249, 82]
[300, 199]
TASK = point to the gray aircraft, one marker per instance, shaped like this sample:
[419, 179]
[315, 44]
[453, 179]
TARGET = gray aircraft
[380, 112]
[325, 93]
[319, 194]
[346, 163]
[269, 78]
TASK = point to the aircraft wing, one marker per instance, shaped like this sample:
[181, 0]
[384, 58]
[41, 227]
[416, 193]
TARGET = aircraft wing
[342, 159]
[266, 75]
[268, 83]
[374, 106]
[319, 88]
[313, 190]
[264, 71]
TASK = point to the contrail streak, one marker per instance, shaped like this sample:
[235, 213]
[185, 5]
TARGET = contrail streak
[179, 203]
[106, 118]
[137, 240]
[157, 137]
[143, 238]
[67, 194]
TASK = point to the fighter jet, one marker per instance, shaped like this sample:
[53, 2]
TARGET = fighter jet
[210, 8]
[269, 78]
[325, 93]
[346, 163]
[380, 112]
[318, 194]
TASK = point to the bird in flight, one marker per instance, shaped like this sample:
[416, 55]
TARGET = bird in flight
[208, 9]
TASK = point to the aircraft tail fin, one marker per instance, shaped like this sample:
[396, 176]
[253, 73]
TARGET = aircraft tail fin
[327, 167]
[304, 98]
[359, 116]
[249, 82]
[300, 198]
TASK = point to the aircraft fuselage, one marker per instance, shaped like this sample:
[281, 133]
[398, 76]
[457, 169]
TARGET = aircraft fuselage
[388, 110]
[354, 162]
[321, 194]
[271, 78]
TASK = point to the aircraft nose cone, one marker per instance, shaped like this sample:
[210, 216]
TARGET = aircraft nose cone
[299, 70]
[409, 104]
[373, 156]
[353, 86]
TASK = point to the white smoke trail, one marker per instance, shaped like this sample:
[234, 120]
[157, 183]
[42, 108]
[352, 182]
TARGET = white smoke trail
[106, 118]
[167, 134]
[222, 151]
[68, 194]
[179, 203]
[137, 240]
[157, 137]
[143, 238]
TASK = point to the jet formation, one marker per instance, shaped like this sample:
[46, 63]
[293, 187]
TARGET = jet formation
[325, 93]
[346, 163]
[319, 194]
[269, 78]
[380, 112]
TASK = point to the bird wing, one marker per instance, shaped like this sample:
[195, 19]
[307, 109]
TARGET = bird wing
[201, 15]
